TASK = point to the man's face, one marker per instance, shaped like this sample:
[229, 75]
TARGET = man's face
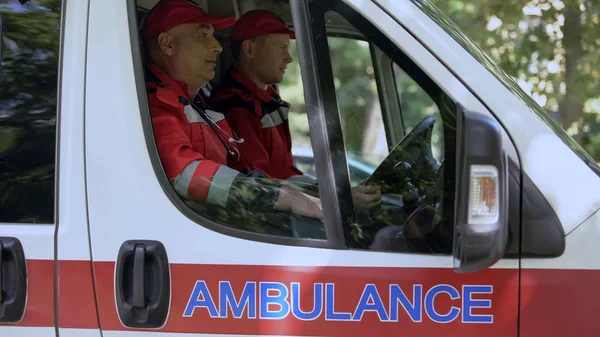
[271, 57]
[195, 51]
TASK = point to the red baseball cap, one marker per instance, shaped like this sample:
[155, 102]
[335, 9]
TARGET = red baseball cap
[259, 22]
[170, 13]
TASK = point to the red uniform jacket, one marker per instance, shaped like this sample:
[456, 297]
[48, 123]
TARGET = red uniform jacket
[261, 118]
[193, 155]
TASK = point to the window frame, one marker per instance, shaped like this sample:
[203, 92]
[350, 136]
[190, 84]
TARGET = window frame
[57, 153]
[389, 99]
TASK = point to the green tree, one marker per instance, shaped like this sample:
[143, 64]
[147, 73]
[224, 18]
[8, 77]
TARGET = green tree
[550, 46]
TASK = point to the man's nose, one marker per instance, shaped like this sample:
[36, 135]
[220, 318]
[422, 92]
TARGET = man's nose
[216, 46]
[288, 58]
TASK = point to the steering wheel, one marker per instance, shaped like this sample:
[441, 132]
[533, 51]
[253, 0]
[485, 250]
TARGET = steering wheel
[409, 163]
[411, 184]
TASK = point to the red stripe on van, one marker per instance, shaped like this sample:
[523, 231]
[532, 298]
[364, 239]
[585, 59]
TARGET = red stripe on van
[560, 302]
[77, 303]
[39, 310]
[554, 303]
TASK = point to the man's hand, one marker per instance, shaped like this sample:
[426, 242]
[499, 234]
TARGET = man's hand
[299, 203]
[366, 196]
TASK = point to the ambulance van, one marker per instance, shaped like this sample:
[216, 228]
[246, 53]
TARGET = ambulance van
[489, 224]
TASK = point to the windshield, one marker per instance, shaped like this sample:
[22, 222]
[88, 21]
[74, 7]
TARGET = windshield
[454, 31]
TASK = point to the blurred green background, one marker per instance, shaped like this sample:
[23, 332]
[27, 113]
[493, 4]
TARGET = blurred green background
[551, 48]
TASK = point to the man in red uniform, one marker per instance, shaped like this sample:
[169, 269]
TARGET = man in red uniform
[194, 142]
[260, 44]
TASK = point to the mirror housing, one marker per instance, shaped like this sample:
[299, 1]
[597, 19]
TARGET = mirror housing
[481, 209]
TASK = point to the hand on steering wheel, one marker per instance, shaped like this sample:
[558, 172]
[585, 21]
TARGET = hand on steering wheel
[366, 196]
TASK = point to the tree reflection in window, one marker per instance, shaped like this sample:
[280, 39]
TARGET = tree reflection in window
[28, 109]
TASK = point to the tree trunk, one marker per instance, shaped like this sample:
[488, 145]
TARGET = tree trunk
[571, 105]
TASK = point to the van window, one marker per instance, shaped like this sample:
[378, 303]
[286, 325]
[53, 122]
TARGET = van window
[416, 212]
[28, 109]
[411, 217]
[234, 196]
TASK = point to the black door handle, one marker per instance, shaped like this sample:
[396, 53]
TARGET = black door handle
[13, 280]
[143, 284]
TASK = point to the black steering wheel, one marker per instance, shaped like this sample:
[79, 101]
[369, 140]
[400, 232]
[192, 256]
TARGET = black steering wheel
[410, 163]
[411, 184]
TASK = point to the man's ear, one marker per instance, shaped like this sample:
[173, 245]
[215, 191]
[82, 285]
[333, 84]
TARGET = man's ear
[165, 43]
[247, 48]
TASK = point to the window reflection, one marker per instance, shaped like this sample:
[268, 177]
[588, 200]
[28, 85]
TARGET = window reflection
[28, 102]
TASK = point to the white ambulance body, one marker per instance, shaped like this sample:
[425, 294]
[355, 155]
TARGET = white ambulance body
[124, 256]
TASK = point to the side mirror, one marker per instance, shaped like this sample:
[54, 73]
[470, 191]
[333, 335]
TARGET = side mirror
[481, 221]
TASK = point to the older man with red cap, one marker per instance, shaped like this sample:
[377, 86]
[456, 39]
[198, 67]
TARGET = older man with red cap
[194, 142]
[260, 44]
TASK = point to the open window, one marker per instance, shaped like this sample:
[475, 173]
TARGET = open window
[394, 127]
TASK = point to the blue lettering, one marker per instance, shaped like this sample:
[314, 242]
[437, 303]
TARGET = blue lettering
[227, 299]
[280, 299]
[317, 300]
[276, 301]
[370, 301]
[330, 314]
[414, 310]
[206, 301]
[469, 303]
[430, 309]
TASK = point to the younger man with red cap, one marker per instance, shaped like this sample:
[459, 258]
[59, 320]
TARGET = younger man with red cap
[260, 44]
[195, 143]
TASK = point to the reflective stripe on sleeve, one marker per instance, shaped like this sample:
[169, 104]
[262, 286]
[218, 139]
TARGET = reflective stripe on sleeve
[221, 185]
[182, 181]
[195, 180]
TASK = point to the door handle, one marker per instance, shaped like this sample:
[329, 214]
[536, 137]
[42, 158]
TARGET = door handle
[13, 280]
[143, 284]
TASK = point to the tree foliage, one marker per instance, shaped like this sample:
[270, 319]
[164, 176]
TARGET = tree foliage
[551, 47]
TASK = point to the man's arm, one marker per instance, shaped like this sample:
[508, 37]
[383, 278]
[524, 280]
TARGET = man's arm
[189, 172]
[196, 178]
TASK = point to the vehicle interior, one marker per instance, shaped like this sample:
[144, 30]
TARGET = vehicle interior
[409, 156]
